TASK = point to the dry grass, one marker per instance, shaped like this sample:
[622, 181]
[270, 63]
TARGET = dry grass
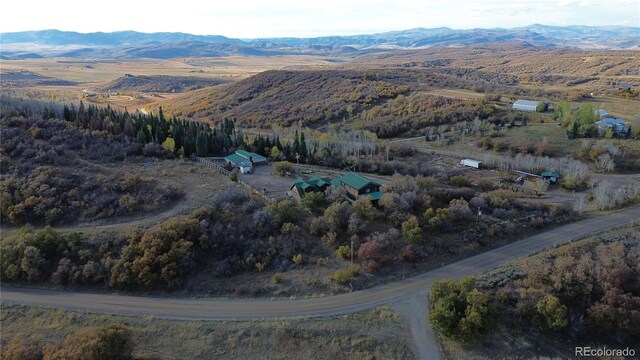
[98, 71]
[559, 145]
[376, 334]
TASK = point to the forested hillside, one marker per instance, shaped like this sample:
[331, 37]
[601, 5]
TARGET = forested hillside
[159, 83]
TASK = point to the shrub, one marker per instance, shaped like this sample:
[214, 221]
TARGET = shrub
[459, 209]
[314, 202]
[233, 175]
[460, 181]
[297, 259]
[109, 343]
[500, 198]
[19, 350]
[437, 218]
[162, 255]
[369, 251]
[343, 252]
[457, 309]
[345, 276]
[363, 207]
[411, 231]
[282, 167]
[553, 313]
[277, 278]
[372, 267]
[286, 211]
[409, 254]
[426, 182]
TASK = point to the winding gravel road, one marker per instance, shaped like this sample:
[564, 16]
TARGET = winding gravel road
[390, 294]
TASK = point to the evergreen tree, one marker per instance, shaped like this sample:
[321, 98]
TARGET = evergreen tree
[303, 148]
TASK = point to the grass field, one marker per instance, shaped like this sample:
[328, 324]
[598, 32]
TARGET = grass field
[376, 334]
[559, 145]
[92, 72]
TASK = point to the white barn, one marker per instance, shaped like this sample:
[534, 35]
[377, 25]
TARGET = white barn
[525, 105]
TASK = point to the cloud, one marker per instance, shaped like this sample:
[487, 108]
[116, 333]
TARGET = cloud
[250, 19]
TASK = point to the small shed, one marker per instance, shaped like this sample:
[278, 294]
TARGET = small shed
[552, 176]
[525, 105]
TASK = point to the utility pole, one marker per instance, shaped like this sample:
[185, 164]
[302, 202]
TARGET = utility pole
[352, 250]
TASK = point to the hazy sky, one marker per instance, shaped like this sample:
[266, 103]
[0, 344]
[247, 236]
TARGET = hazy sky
[304, 18]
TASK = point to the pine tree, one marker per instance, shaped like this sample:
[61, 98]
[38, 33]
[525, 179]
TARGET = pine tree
[303, 148]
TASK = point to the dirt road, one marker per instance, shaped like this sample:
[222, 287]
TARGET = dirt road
[227, 309]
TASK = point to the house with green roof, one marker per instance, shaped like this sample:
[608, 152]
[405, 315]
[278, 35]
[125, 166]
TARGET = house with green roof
[245, 160]
[314, 184]
[357, 185]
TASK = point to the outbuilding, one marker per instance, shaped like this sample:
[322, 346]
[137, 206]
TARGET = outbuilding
[244, 161]
[525, 105]
[619, 126]
[552, 176]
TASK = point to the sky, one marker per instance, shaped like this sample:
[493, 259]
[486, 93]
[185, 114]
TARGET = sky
[307, 18]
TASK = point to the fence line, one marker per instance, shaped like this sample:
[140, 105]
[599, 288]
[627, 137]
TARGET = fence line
[211, 164]
[224, 171]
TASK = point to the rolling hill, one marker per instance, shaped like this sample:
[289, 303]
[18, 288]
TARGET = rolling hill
[377, 84]
[159, 83]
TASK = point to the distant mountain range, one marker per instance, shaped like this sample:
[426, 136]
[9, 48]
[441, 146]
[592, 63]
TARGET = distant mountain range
[131, 44]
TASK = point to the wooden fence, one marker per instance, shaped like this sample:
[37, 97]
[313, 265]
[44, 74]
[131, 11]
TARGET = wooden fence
[211, 164]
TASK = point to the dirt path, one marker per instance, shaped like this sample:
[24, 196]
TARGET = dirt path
[413, 307]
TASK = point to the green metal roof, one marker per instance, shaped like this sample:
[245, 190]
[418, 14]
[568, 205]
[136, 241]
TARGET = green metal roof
[353, 180]
[247, 154]
[318, 181]
[550, 174]
[234, 159]
[315, 183]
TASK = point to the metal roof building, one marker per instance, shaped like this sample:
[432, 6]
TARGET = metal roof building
[242, 155]
[525, 105]
[618, 125]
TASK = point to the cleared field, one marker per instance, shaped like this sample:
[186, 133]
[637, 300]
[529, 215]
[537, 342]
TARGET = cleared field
[376, 334]
[534, 133]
